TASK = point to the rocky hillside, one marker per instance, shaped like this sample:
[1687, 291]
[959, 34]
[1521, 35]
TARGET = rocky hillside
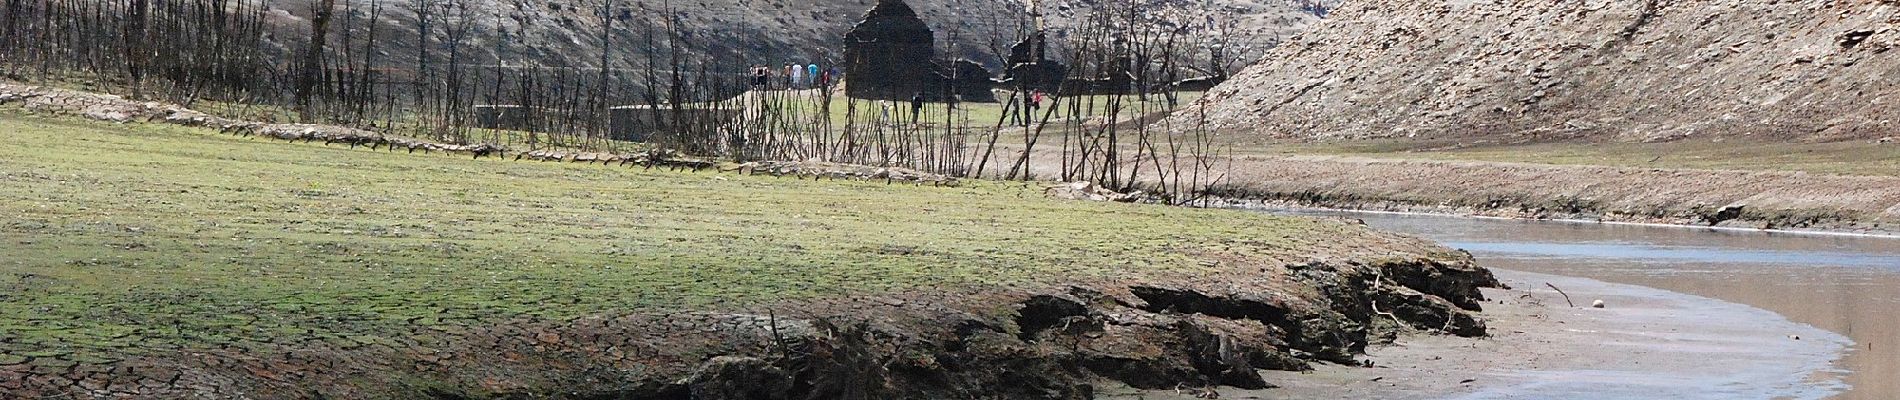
[566, 33]
[1623, 70]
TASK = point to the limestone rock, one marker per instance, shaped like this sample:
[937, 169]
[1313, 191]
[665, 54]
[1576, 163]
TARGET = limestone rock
[1087, 191]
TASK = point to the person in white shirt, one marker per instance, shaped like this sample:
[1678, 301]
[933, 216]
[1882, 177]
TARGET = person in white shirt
[798, 76]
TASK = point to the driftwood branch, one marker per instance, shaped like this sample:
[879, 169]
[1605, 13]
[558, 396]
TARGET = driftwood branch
[1395, 318]
[1561, 291]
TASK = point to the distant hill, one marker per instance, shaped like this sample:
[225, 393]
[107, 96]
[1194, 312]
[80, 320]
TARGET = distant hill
[775, 32]
[1624, 70]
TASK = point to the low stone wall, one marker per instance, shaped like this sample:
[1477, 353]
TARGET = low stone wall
[642, 122]
[505, 116]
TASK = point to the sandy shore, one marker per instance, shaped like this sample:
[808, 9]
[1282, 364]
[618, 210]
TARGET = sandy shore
[1645, 344]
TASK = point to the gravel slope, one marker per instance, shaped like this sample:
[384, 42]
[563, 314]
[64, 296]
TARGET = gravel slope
[1622, 70]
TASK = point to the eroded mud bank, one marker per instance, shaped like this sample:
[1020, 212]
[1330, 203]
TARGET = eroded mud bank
[1048, 342]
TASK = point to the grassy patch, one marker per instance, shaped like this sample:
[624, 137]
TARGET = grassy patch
[126, 239]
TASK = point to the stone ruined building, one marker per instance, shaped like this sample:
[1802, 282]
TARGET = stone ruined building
[1113, 77]
[1030, 68]
[886, 56]
[967, 79]
[642, 123]
[891, 55]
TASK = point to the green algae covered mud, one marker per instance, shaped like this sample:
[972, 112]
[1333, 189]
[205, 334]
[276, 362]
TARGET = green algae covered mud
[150, 261]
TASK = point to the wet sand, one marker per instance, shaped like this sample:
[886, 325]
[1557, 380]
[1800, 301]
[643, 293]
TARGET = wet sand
[1846, 284]
[1645, 344]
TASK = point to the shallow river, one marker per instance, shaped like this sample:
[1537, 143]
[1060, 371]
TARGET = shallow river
[1846, 284]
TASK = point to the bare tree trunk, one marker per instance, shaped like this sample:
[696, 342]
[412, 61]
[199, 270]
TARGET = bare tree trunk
[313, 59]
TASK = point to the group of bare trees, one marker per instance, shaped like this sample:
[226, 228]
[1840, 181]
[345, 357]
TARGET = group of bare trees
[1117, 119]
[179, 50]
[428, 72]
[421, 71]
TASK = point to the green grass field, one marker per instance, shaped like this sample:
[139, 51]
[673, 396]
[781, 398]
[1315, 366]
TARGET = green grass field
[121, 240]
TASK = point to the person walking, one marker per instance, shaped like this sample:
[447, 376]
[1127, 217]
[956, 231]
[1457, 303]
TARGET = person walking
[1030, 102]
[811, 75]
[789, 82]
[1015, 110]
[916, 107]
[798, 76]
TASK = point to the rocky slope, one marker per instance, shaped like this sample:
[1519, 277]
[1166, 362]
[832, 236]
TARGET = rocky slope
[1625, 70]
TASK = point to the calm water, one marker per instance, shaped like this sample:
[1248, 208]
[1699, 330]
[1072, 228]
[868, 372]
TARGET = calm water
[1849, 285]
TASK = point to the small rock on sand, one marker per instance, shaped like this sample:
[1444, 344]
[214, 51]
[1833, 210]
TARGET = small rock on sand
[1597, 304]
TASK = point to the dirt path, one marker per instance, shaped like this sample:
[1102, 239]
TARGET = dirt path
[1645, 344]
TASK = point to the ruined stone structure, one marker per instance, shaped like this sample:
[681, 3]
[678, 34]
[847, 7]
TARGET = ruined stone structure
[890, 56]
[504, 116]
[1113, 78]
[640, 123]
[887, 55]
[1029, 67]
[967, 79]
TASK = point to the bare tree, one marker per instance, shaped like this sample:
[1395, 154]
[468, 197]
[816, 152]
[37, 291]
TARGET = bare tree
[312, 69]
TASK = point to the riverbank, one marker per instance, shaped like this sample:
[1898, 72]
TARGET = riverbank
[1644, 344]
[1422, 181]
[1741, 199]
[161, 261]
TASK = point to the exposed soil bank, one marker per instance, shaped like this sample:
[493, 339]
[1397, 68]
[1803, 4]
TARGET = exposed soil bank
[1756, 200]
[1645, 344]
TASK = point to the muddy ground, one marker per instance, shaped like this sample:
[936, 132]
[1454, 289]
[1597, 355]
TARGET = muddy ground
[1786, 200]
[1751, 199]
[1644, 344]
